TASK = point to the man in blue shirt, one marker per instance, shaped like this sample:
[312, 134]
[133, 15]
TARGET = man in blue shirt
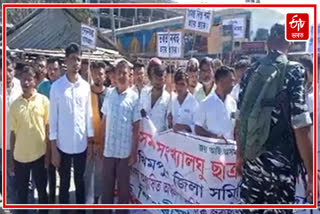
[54, 72]
[53, 69]
[41, 70]
[120, 136]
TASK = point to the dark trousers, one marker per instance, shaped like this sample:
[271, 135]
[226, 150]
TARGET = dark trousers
[115, 169]
[22, 176]
[10, 180]
[79, 162]
[52, 184]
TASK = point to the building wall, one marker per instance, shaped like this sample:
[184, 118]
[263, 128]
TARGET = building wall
[143, 41]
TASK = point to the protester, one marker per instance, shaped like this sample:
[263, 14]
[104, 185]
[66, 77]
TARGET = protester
[193, 73]
[184, 104]
[29, 116]
[153, 62]
[110, 76]
[41, 70]
[271, 143]
[71, 131]
[121, 130]
[131, 84]
[307, 63]
[214, 115]
[54, 72]
[84, 69]
[12, 93]
[53, 68]
[138, 77]
[206, 78]
[94, 128]
[93, 174]
[155, 100]
[216, 64]
[240, 67]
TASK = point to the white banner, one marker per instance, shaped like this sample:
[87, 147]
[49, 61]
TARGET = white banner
[177, 168]
[88, 36]
[198, 19]
[238, 26]
[169, 44]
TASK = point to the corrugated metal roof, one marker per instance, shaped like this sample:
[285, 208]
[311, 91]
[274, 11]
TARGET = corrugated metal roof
[98, 54]
[49, 29]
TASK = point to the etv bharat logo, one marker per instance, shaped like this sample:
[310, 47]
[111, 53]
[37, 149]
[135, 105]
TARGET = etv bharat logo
[297, 26]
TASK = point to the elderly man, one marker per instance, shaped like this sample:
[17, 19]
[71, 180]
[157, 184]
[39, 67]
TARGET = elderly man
[193, 75]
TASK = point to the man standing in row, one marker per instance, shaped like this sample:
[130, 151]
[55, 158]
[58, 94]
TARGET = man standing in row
[29, 116]
[239, 68]
[12, 93]
[44, 88]
[41, 70]
[193, 73]
[206, 78]
[93, 174]
[121, 135]
[214, 115]
[155, 100]
[138, 77]
[184, 105]
[54, 72]
[71, 128]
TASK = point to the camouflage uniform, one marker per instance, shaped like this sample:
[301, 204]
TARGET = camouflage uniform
[271, 177]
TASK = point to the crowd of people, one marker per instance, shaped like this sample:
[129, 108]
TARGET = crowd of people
[86, 121]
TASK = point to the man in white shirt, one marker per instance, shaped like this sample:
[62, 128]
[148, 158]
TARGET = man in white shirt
[155, 100]
[184, 105]
[214, 115]
[206, 78]
[151, 64]
[12, 93]
[138, 77]
[307, 63]
[239, 68]
[71, 128]
[193, 73]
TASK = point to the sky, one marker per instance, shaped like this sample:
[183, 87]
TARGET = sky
[259, 15]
